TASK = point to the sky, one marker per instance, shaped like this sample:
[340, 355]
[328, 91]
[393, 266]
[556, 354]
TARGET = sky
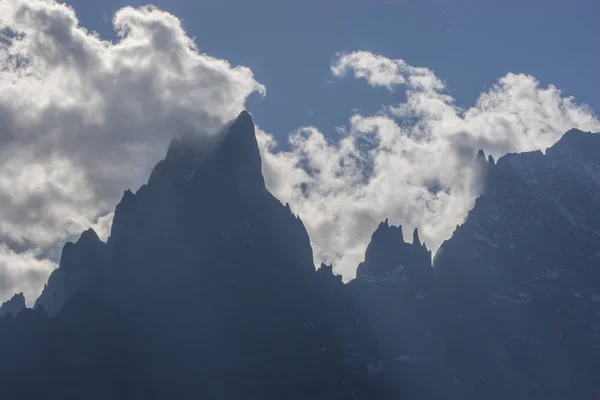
[365, 110]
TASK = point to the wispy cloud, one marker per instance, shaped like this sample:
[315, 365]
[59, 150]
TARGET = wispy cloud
[412, 162]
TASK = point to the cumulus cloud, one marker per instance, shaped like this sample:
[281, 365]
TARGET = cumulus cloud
[412, 162]
[24, 271]
[82, 119]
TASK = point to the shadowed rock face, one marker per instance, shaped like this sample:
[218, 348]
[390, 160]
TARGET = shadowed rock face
[524, 270]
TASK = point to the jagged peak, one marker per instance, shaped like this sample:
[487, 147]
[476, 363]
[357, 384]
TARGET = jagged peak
[491, 160]
[14, 305]
[19, 297]
[244, 118]
[388, 249]
[326, 268]
[194, 149]
[89, 236]
[240, 139]
[385, 229]
[128, 196]
[576, 141]
[416, 239]
[481, 155]
[233, 149]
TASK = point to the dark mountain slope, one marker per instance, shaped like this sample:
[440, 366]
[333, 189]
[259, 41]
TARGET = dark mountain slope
[218, 277]
[526, 269]
[89, 350]
[206, 288]
[513, 309]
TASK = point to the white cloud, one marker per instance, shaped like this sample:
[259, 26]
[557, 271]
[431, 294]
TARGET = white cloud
[411, 162]
[24, 271]
[378, 70]
[82, 119]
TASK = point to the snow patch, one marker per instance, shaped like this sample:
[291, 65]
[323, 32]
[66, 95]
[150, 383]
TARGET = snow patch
[376, 369]
[189, 175]
[577, 294]
[404, 358]
[551, 274]
[593, 170]
[486, 240]
[520, 299]
[562, 210]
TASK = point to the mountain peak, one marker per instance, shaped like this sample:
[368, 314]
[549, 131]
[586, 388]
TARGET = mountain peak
[388, 250]
[240, 141]
[13, 306]
[389, 232]
[89, 236]
[244, 118]
[233, 151]
[416, 239]
[576, 143]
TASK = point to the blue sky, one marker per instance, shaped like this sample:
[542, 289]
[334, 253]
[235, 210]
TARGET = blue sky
[470, 44]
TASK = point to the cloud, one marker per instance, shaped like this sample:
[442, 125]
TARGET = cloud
[412, 162]
[378, 70]
[24, 271]
[82, 119]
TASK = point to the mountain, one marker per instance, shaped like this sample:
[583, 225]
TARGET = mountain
[391, 292]
[89, 350]
[524, 271]
[206, 288]
[13, 306]
[511, 308]
[218, 277]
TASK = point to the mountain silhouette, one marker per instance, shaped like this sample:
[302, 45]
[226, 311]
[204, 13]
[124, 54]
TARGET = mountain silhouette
[219, 278]
[206, 288]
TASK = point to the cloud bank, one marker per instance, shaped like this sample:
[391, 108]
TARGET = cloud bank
[82, 119]
[412, 162]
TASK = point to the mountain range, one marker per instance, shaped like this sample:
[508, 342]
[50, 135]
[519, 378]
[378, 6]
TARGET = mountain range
[206, 288]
